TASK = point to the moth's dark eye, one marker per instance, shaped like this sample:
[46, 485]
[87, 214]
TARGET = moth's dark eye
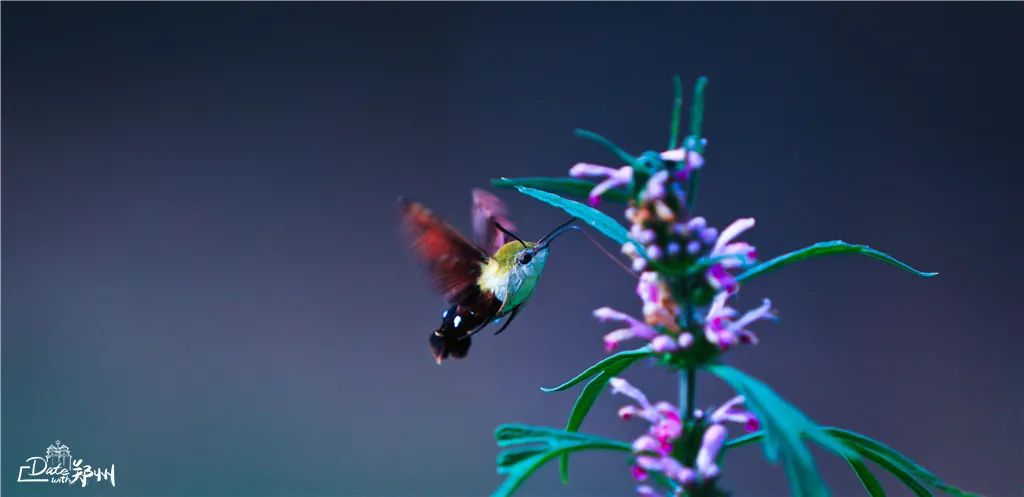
[525, 258]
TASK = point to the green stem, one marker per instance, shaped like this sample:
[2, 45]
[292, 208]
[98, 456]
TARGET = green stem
[687, 392]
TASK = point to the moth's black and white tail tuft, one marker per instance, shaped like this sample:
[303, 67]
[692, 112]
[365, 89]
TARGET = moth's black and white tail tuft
[444, 347]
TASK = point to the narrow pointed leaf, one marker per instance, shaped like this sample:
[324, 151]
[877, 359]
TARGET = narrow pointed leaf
[745, 440]
[826, 248]
[784, 427]
[509, 458]
[539, 445]
[877, 451]
[867, 479]
[619, 153]
[677, 112]
[580, 409]
[610, 361]
[561, 186]
[901, 474]
[599, 220]
[599, 374]
[910, 473]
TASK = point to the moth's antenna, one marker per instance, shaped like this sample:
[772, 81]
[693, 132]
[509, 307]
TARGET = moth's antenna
[507, 232]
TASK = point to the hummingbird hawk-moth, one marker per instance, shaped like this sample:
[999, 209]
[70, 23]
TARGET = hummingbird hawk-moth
[481, 283]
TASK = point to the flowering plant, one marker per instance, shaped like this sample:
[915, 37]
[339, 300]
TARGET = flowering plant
[688, 272]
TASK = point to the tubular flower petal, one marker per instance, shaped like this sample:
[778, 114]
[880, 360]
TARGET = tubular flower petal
[722, 330]
[732, 231]
[646, 491]
[656, 186]
[635, 329]
[622, 386]
[663, 343]
[613, 178]
[646, 444]
[732, 411]
[710, 445]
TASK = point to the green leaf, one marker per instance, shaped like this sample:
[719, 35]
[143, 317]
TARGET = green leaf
[901, 474]
[744, 440]
[677, 112]
[599, 220]
[867, 479]
[899, 465]
[784, 426]
[510, 457]
[697, 111]
[537, 446]
[599, 375]
[825, 248]
[619, 153]
[892, 460]
[608, 362]
[564, 186]
[694, 142]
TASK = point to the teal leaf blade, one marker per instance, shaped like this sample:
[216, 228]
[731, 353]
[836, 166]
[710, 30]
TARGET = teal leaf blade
[784, 427]
[911, 474]
[616, 150]
[892, 460]
[561, 186]
[608, 362]
[867, 478]
[827, 248]
[580, 409]
[526, 448]
[595, 218]
[599, 374]
[677, 112]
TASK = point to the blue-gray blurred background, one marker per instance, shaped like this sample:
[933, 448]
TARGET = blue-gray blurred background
[202, 282]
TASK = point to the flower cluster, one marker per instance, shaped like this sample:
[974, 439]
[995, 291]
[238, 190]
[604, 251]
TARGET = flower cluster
[655, 450]
[662, 226]
[669, 242]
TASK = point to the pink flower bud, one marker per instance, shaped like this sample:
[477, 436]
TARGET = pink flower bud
[627, 413]
[663, 344]
[646, 443]
[646, 491]
[686, 476]
[710, 445]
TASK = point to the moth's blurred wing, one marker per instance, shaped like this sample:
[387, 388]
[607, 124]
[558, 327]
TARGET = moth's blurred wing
[488, 209]
[453, 262]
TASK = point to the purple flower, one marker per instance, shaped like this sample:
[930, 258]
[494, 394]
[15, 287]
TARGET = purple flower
[653, 450]
[646, 491]
[733, 411]
[710, 445]
[690, 159]
[714, 435]
[613, 178]
[663, 343]
[724, 245]
[659, 306]
[730, 255]
[656, 186]
[634, 329]
[722, 330]
[642, 235]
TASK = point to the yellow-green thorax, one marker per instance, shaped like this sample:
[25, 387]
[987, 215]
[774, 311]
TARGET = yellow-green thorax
[512, 273]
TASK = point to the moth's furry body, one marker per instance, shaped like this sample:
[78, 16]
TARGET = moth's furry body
[510, 281]
[479, 288]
